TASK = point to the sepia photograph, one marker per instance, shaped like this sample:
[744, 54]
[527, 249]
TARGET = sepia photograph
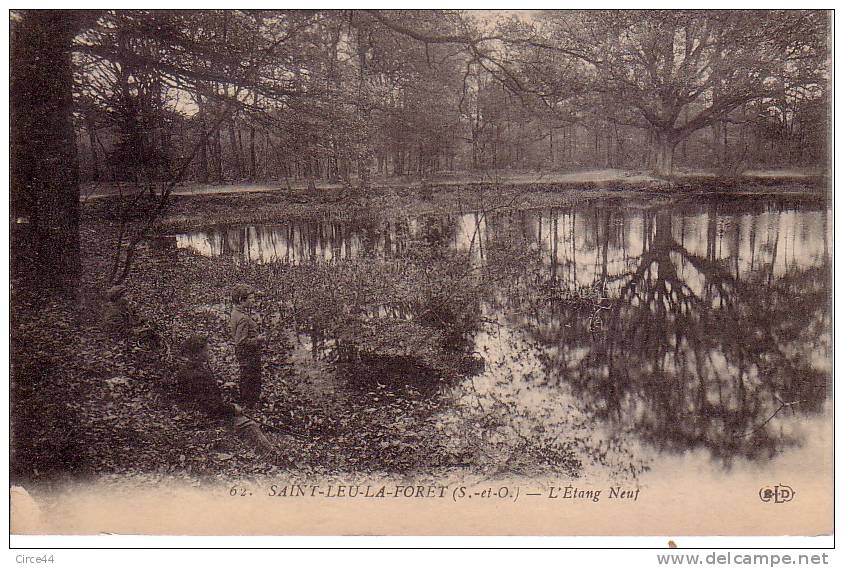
[421, 272]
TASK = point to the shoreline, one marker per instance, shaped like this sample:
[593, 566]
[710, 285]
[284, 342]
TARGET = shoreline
[614, 180]
[262, 204]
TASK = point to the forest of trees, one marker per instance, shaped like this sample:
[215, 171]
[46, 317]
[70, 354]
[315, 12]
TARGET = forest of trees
[159, 97]
[327, 95]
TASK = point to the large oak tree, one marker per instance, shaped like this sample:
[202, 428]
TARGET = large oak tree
[680, 71]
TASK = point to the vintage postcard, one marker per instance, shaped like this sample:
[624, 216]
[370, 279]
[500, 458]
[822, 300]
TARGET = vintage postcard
[421, 272]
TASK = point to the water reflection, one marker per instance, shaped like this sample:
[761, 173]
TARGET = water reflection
[711, 323]
[331, 241]
[693, 325]
[291, 243]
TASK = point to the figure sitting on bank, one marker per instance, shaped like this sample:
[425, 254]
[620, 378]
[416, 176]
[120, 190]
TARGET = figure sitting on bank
[197, 389]
[122, 319]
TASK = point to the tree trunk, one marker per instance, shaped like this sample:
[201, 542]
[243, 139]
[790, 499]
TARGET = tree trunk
[619, 147]
[398, 163]
[165, 143]
[565, 146]
[202, 173]
[313, 172]
[44, 168]
[92, 141]
[218, 157]
[716, 145]
[240, 150]
[236, 165]
[648, 149]
[664, 145]
[253, 166]
[595, 152]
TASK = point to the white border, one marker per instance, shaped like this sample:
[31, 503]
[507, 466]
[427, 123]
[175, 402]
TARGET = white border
[604, 545]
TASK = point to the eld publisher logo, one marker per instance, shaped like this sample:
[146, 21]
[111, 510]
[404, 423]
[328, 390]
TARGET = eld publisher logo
[776, 494]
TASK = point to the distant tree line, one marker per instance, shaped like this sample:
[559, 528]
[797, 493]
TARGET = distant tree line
[333, 95]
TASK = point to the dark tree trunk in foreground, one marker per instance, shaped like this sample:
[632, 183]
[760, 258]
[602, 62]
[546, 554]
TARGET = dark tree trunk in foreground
[44, 168]
[92, 141]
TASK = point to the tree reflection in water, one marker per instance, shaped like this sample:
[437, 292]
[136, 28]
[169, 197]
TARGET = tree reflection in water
[710, 322]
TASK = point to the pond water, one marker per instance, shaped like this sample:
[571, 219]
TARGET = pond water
[691, 329]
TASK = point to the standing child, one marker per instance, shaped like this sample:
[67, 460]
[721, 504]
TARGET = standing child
[247, 344]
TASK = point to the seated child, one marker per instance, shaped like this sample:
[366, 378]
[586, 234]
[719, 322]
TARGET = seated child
[197, 388]
[119, 315]
[196, 385]
[123, 320]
